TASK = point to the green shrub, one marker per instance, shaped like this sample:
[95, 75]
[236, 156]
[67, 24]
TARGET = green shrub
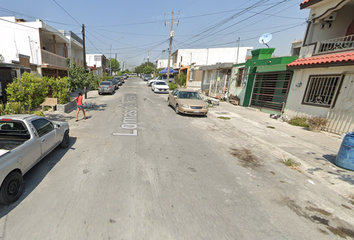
[299, 121]
[58, 89]
[38, 113]
[173, 86]
[181, 79]
[96, 81]
[29, 90]
[11, 108]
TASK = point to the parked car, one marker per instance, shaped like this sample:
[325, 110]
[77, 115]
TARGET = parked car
[125, 76]
[114, 82]
[149, 82]
[187, 101]
[147, 77]
[24, 141]
[160, 87]
[106, 87]
[120, 80]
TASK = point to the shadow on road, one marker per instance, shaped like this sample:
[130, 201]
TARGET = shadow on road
[342, 173]
[34, 176]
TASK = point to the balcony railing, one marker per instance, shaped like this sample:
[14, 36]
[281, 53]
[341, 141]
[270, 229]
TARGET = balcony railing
[52, 59]
[336, 44]
[78, 62]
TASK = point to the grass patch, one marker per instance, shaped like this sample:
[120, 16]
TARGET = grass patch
[271, 127]
[299, 121]
[291, 164]
[224, 118]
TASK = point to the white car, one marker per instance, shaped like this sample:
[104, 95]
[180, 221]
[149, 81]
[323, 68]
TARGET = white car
[151, 81]
[160, 87]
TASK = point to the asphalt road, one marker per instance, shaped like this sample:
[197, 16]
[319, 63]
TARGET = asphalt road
[136, 170]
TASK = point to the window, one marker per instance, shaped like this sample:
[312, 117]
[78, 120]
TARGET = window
[239, 77]
[43, 126]
[322, 90]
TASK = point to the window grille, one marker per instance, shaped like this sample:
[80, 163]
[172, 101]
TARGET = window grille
[322, 90]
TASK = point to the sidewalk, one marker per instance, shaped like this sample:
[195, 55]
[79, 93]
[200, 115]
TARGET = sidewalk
[315, 151]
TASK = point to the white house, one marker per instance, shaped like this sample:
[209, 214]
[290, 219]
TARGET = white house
[45, 48]
[323, 82]
[97, 63]
[208, 56]
[162, 63]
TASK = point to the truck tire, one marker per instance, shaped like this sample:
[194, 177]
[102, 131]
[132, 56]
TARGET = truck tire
[11, 188]
[65, 142]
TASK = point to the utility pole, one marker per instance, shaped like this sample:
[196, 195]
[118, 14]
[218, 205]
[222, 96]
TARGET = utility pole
[84, 52]
[172, 33]
[238, 49]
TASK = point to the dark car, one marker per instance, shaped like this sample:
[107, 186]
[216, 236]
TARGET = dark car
[115, 83]
[120, 80]
[106, 87]
[125, 75]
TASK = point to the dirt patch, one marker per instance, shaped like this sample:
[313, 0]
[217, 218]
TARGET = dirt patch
[319, 210]
[342, 232]
[332, 223]
[246, 156]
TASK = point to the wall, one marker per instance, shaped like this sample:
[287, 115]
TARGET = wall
[339, 25]
[294, 106]
[90, 59]
[210, 56]
[21, 38]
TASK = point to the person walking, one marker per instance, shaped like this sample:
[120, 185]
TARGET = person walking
[78, 101]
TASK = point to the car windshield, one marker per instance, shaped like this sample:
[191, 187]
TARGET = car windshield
[189, 95]
[160, 83]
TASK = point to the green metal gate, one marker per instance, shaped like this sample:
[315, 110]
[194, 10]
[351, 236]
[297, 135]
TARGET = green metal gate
[270, 90]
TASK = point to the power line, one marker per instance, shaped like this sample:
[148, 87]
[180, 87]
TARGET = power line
[32, 17]
[67, 12]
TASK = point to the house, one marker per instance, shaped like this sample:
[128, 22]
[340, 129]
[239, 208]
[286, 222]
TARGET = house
[323, 82]
[162, 63]
[263, 81]
[192, 61]
[46, 48]
[215, 80]
[208, 56]
[98, 64]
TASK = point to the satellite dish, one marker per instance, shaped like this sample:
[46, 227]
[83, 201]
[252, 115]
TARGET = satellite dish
[265, 38]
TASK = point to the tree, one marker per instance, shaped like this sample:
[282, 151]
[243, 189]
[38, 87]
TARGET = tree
[114, 64]
[148, 70]
[141, 67]
[77, 77]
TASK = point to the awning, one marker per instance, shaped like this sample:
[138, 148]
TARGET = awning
[171, 71]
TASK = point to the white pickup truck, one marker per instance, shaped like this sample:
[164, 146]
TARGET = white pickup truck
[24, 141]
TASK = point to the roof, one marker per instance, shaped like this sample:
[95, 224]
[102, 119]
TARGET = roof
[337, 58]
[307, 3]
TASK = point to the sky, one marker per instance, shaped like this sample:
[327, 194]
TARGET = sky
[136, 30]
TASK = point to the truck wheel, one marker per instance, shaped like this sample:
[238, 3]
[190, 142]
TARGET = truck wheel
[65, 142]
[11, 188]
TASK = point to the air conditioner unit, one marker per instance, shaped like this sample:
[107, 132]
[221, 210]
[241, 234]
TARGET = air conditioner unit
[331, 17]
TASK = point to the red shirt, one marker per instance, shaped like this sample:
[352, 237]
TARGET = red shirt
[79, 100]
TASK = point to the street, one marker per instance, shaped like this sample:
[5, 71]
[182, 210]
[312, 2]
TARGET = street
[137, 170]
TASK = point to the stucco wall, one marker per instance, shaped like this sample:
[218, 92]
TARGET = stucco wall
[210, 56]
[294, 106]
[20, 39]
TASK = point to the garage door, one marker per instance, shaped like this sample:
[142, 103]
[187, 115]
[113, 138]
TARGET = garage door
[271, 90]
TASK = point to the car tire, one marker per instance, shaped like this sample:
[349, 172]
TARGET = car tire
[99, 93]
[177, 109]
[168, 102]
[66, 140]
[11, 188]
